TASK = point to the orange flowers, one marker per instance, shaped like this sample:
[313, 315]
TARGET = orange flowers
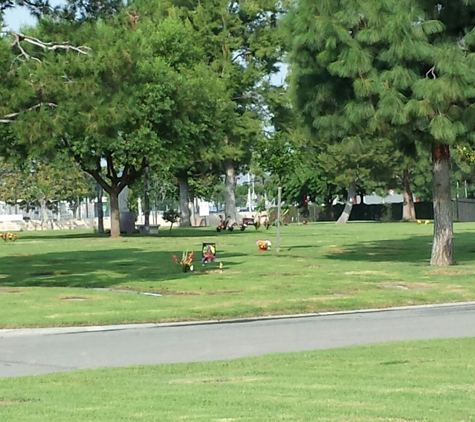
[263, 245]
[186, 261]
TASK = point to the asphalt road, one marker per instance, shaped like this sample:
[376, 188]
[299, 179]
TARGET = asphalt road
[39, 351]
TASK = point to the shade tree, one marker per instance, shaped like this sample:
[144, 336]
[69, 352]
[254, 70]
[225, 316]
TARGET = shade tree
[367, 67]
[130, 101]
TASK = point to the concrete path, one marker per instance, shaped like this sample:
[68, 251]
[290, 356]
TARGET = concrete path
[39, 351]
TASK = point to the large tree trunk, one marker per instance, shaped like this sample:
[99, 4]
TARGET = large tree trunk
[79, 208]
[191, 206]
[100, 211]
[230, 184]
[408, 208]
[345, 215]
[114, 213]
[184, 200]
[147, 199]
[44, 213]
[331, 212]
[443, 242]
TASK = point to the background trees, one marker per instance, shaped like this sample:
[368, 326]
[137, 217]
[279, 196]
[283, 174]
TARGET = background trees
[242, 45]
[185, 88]
[33, 183]
[142, 93]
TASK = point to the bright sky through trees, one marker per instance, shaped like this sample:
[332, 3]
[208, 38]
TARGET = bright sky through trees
[19, 16]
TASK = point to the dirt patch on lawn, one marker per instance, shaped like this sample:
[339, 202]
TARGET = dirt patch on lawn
[178, 293]
[215, 380]
[223, 292]
[449, 272]
[222, 271]
[282, 286]
[341, 251]
[7, 290]
[364, 272]
[397, 286]
[79, 298]
[320, 299]
[421, 286]
[6, 402]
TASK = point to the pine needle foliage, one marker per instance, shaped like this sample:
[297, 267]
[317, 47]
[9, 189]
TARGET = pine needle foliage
[372, 68]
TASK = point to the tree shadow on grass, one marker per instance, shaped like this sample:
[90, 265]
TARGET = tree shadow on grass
[415, 249]
[95, 269]
[59, 235]
[165, 232]
[204, 231]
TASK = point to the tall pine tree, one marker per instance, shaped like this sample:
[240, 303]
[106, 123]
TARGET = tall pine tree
[367, 67]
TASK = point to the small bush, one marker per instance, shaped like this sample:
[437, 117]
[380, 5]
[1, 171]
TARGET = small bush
[171, 216]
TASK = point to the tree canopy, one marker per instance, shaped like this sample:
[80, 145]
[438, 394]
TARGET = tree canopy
[141, 93]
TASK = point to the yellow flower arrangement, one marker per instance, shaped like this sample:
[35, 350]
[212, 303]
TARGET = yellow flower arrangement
[9, 237]
[263, 245]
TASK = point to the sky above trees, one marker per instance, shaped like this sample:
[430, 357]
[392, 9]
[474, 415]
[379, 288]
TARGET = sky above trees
[19, 16]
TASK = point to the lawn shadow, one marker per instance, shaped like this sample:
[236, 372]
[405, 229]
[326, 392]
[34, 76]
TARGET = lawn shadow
[201, 232]
[163, 232]
[35, 235]
[416, 249]
[95, 269]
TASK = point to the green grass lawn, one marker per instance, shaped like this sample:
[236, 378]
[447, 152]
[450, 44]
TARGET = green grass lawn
[414, 381]
[55, 278]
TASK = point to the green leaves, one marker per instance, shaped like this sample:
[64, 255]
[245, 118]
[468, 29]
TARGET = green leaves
[403, 64]
[33, 181]
[444, 130]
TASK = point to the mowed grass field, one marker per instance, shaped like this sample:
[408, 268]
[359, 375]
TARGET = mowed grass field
[397, 382]
[78, 278]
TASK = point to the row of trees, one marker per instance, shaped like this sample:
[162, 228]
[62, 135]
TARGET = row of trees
[42, 185]
[153, 88]
[180, 93]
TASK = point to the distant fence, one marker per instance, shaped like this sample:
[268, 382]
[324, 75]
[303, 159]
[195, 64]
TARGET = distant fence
[465, 210]
[86, 209]
[360, 212]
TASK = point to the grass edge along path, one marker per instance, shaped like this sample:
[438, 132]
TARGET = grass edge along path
[50, 279]
[407, 381]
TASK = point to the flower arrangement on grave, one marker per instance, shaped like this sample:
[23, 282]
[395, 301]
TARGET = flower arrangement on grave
[209, 253]
[186, 261]
[263, 245]
[9, 237]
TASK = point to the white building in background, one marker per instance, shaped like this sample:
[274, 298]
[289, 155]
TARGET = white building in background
[390, 198]
[373, 199]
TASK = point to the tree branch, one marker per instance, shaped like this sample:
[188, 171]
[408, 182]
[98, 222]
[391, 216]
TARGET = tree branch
[431, 73]
[97, 176]
[111, 172]
[49, 46]
[130, 174]
[10, 118]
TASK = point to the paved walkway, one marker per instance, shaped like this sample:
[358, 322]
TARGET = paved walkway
[38, 351]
